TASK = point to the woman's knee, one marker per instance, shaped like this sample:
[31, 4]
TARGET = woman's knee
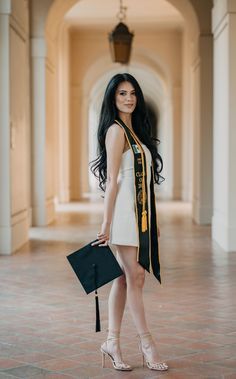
[121, 281]
[136, 276]
[134, 272]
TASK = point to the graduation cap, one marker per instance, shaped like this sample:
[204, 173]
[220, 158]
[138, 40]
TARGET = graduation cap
[95, 266]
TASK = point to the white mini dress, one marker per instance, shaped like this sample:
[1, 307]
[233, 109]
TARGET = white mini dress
[124, 229]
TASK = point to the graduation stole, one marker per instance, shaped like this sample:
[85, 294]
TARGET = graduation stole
[148, 252]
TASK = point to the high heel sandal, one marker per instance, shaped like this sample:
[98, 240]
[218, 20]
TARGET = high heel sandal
[118, 365]
[146, 342]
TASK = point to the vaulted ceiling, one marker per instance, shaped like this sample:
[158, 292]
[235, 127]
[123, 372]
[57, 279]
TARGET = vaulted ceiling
[140, 13]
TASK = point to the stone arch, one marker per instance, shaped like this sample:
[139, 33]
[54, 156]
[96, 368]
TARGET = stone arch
[198, 25]
[190, 9]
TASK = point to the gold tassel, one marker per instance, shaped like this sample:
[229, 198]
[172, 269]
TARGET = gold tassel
[144, 221]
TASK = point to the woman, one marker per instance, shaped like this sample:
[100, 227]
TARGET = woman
[127, 166]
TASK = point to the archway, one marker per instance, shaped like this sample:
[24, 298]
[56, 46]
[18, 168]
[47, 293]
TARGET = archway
[193, 23]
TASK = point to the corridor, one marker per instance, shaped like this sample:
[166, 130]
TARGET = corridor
[47, 321]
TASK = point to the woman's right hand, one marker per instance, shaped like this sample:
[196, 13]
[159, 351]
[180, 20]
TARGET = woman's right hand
[103, 236]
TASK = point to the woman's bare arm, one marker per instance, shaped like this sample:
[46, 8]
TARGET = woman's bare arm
[115, 141]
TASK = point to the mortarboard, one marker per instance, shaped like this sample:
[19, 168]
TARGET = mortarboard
[95, 266]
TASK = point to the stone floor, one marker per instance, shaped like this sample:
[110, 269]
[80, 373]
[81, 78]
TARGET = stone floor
[47, 322]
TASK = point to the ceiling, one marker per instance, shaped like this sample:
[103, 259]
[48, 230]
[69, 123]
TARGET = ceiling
[142, 13]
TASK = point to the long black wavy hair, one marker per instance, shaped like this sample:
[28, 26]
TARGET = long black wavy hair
[140, 125]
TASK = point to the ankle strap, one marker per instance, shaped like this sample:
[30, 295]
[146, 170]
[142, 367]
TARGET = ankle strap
[145, 335]
[113, 338]
[113, 334]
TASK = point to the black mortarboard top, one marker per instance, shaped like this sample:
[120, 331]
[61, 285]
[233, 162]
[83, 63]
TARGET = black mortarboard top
[94, 266]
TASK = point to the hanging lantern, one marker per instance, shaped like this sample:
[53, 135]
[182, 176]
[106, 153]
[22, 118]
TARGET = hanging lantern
[120, 39]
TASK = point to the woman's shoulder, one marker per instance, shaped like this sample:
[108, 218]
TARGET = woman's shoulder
[115, 129]
[115, 135]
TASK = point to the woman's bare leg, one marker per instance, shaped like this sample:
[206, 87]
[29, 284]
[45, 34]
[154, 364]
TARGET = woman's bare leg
[135, 278]
[130, 285]
[116, 306]
[116, 302]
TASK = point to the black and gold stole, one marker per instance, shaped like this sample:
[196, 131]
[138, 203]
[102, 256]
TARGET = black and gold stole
[148, 253]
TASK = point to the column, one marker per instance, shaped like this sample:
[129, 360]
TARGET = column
[42, 202]
[14, 126]
[224, 204]
[38, 117]
[202, 132]
[5, 200]
[177, 137]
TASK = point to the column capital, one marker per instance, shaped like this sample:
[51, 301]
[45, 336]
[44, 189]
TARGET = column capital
[5, 6]
[220, 10]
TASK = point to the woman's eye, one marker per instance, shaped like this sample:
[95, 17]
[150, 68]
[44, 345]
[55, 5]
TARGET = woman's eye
[124, 93]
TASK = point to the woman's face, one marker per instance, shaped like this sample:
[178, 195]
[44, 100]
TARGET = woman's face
[125, 98]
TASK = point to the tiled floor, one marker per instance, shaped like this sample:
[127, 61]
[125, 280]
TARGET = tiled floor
[47, 322]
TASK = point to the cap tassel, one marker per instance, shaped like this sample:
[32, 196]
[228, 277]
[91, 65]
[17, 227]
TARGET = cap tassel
[98, 323]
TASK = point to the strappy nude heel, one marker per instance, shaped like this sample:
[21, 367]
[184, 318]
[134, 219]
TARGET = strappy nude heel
[145, 343]
[118, 365]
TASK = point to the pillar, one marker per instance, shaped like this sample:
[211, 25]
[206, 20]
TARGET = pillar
[224, 204]
[202, 132]
[42, 118]
[14, 126]
[5, 201]
[177, 146]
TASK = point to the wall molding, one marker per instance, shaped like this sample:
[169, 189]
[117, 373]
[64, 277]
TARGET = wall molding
[221, 27]
[50, 66]
[196, 63]
[19, 28]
